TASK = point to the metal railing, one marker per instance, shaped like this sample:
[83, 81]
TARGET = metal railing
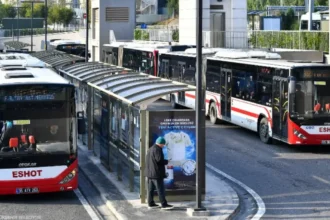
[36, 31]
[303, 40]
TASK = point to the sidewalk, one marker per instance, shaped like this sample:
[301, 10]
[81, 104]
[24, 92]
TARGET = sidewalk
[221, 200]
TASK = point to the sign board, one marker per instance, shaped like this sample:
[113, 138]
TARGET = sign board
[179, 130]
[22, 23]
[84, 15]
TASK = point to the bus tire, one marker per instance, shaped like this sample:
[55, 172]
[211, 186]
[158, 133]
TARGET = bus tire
[213, 113]
[264, 131]
[173, 104]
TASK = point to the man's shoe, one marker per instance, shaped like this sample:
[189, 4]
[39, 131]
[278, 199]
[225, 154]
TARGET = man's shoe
[167, 206]
[153, 206]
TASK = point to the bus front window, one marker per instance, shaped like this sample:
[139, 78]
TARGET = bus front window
[312, 98]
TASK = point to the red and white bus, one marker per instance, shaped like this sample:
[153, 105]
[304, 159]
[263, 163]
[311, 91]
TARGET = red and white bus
[280, 99]
[142, 57]
[38, 141]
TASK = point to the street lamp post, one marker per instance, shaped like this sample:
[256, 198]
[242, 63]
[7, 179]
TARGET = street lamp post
[199, 210]
[32, 4]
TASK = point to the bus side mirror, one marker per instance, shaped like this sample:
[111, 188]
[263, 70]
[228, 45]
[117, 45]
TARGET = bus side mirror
[81, 123]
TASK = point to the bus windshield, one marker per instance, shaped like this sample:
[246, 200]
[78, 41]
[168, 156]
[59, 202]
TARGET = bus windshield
[36, 122]
[312, 97]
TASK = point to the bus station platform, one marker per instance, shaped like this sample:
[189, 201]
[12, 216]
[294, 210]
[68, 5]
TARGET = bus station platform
[120, 114]
[221, 200]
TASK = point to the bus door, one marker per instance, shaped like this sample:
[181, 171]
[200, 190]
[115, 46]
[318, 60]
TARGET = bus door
[280, 107]
[182, 69]
[225, 92]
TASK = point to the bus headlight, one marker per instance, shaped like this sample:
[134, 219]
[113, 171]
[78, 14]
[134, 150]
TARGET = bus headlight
[298, 134]
[69, 177]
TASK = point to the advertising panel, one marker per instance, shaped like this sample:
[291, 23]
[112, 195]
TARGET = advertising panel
[178, 129]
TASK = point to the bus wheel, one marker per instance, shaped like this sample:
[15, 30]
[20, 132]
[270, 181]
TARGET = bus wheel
[173, 104]
[213, 113]
[264, 131]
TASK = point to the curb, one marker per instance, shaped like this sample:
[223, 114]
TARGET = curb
[105, 200]
[120, 216]
[238, 208]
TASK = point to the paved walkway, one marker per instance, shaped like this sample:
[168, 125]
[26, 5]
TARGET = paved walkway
[221, 200]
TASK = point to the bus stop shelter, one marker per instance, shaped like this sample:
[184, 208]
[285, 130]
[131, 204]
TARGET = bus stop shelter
[57, 59]
[123, 122]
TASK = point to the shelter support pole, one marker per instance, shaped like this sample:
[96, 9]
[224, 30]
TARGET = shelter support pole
[89, 117]
[144, 136]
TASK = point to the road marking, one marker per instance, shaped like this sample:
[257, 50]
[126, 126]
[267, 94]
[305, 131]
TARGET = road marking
[260, 203]
[86, 205]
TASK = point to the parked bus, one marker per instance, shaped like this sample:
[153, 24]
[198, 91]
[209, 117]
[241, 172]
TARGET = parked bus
[20, 59]
[181, 66]
[280, 99]
[38, 141]
[74, 47]
[140, 57]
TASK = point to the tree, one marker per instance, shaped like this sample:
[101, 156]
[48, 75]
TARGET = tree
[173, 7]
[54, 15]
[38, 11]
[9, 11]
[22, 11]
[288, 19]
[66, 15]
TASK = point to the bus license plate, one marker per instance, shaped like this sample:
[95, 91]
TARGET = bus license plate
[27, 190]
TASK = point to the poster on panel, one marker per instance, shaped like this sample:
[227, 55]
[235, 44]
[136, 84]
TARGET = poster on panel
[178, 129]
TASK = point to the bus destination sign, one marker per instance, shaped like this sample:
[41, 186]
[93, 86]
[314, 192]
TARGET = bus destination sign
[317, 73]
[22, 98]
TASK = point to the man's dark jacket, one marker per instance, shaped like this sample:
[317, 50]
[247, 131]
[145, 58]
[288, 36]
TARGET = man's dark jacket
[155, 163]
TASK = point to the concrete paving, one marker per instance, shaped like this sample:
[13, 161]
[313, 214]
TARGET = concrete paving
[221, 200]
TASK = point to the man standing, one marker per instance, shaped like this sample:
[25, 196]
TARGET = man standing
[155, 172]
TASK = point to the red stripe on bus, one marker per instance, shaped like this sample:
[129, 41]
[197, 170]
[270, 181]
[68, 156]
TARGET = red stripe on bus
[251, 114]
[193, 97]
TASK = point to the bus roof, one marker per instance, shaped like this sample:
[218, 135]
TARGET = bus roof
[20, 59]
[29, 75]
[191, 52]
[64, 42]
[285, 64]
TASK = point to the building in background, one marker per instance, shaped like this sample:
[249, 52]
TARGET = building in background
[111, 15]
[151, 11]
[224, 23]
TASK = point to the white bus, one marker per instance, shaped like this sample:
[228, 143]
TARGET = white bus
[38, 141]
[280, 99]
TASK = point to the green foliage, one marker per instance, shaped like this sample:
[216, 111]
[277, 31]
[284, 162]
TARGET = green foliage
[137, 34]
[288, 19]
[261, 4]
[173, 7]
[38, 11]
[175, 35]
[57, 14]
[66, 16]
[141, 34]
[291, 39]
[8, 11]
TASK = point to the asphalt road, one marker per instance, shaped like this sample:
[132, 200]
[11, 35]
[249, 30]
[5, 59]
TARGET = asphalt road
[293, 182]
[56, 206]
